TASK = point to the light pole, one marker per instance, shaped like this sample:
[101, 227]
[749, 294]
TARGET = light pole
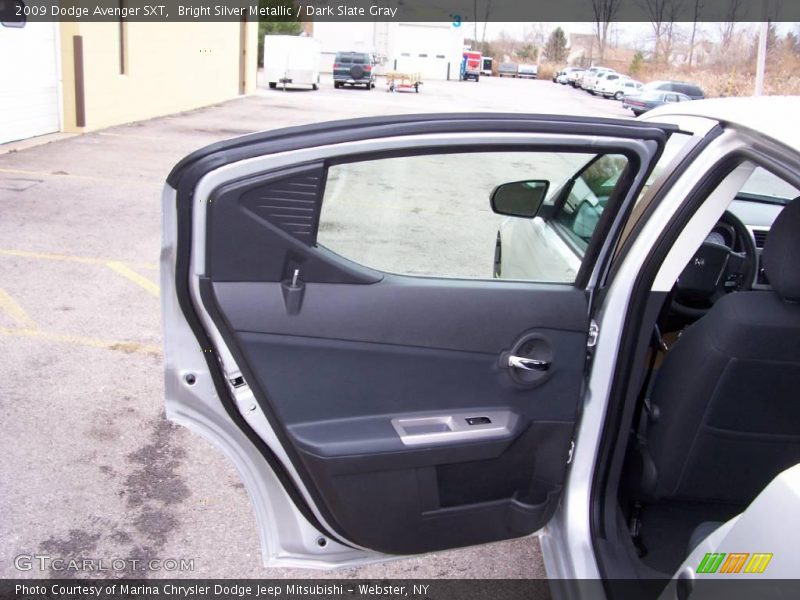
[761, 59]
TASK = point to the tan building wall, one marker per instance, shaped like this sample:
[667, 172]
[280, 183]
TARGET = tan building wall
[135, 71]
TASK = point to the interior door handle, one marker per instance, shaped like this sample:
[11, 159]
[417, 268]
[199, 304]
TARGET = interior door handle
[527, 364]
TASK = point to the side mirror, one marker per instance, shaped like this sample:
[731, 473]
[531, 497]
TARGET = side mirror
[520, 198]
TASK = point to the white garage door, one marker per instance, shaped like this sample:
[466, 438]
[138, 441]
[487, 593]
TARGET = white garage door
[429, 66]
[28, 81]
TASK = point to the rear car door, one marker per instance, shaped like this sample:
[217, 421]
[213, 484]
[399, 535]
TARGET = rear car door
[331, 323]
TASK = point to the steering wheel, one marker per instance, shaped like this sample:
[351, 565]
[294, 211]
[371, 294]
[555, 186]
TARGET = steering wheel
[716, 270]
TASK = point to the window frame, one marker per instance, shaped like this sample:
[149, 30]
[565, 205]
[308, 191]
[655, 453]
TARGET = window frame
[595, 244]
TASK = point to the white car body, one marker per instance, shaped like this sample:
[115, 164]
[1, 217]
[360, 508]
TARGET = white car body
[616, 86]
[573, 76]
[715, 128]
[589, 80]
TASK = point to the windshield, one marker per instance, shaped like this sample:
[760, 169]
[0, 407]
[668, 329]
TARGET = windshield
[350, 57]
[763, 186]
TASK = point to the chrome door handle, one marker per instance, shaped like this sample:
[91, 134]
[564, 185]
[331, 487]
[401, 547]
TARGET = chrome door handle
[528, 364]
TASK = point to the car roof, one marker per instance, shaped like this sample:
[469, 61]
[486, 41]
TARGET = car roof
[772, 116]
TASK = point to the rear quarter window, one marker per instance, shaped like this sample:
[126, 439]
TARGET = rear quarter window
[345, 57]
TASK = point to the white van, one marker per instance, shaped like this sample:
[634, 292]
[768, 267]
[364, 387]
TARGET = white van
[291, 60]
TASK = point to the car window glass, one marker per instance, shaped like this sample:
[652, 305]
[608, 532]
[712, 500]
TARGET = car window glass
[431, 215]
[588, 196]
[674, 145]
[765, 185]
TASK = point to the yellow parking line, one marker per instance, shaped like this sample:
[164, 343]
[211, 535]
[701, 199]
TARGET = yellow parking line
[127, 347]
[9, 306]
[70, 258]
[133, 276]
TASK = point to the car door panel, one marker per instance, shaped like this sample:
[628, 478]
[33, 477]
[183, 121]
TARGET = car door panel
[354, 379]
[427, 312]
[338, 355]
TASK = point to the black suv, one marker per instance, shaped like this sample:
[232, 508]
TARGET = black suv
[353, 68]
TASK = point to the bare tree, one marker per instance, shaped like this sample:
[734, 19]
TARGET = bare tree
[604, 13]
[656, 10]
[486, 15]
[663, 15]
[696, 12]
[672, 31]
[733, 12]
[505, 45]
[475, 19]
[536, 34]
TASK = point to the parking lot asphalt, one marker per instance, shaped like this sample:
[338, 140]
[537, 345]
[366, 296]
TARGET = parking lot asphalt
[90, 468]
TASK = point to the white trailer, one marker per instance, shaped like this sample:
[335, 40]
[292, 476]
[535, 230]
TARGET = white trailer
[291, 60]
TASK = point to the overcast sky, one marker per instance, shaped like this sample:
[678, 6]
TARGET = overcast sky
[622, 33]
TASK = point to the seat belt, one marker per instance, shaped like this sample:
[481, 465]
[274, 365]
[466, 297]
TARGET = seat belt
[644, 413]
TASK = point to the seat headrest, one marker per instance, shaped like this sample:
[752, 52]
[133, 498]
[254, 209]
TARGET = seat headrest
[781, 254]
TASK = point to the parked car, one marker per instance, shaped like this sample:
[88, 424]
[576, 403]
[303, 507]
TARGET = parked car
[574, 75]
[373, 413]
[641, 103]
[353, 68]
[689, 89]
[562, 76]
[614, 85]
[507, 69]
[527, 71]
[589, 79]
[627, 86]
[486, 65]
[599, 78]
[291, 60]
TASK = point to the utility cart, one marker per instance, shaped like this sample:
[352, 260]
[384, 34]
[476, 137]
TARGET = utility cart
[403, 81]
